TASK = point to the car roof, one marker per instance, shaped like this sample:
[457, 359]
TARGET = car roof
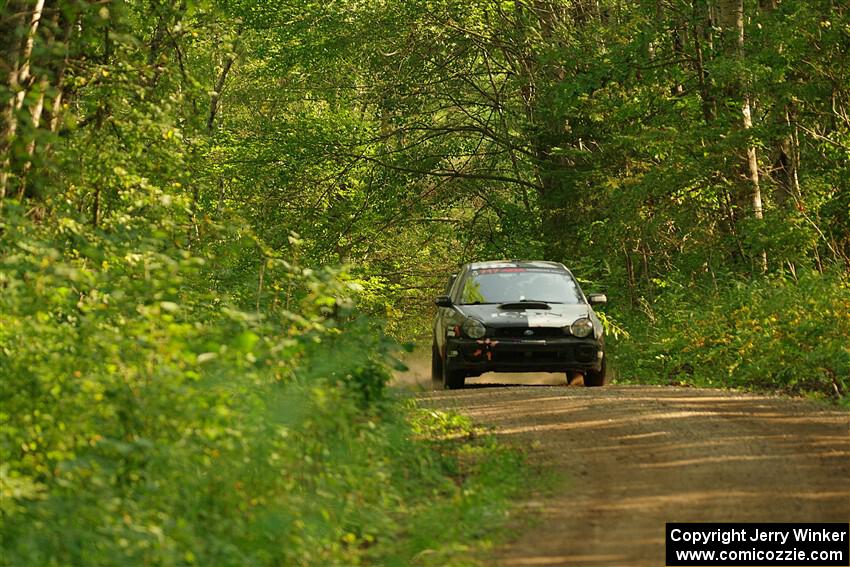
[516, 264]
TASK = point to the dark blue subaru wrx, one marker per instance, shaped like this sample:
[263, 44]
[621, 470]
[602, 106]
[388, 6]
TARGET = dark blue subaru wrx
[516, 316]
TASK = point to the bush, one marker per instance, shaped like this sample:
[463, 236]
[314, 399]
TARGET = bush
[149, 418]
[774, 334]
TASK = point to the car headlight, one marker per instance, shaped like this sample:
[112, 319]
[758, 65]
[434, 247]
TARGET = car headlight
[581, 328]
[474, 329]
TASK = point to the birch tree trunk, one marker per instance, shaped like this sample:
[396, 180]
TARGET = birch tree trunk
[19, 83]
[731, 16]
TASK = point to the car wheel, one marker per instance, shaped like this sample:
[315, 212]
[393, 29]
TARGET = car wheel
[436, 368]
[452, 379]
[596, 378]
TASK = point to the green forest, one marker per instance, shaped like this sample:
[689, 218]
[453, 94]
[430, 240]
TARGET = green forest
[223, 221]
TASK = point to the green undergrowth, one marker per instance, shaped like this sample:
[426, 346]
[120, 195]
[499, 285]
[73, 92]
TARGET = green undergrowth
[457, 522]
[331, 486]
[779, 335]
[157, 408]
[304, 476]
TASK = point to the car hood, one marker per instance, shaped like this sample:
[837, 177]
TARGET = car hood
[559, 315]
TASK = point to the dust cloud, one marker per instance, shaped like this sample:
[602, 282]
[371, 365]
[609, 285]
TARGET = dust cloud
[417, 377]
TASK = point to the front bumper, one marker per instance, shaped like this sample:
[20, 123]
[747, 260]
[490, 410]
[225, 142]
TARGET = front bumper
[524, 355]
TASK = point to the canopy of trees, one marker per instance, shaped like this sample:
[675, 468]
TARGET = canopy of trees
[636, 140]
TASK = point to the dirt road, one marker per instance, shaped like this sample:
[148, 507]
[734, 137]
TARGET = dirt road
[630, 458]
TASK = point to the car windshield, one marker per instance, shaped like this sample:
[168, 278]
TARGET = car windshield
[506, 285]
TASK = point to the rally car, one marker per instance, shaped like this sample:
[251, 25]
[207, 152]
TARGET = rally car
[516, 316]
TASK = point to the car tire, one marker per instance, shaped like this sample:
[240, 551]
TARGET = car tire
[452, 379]
[597, 378]
[436, 368]
[442, 377]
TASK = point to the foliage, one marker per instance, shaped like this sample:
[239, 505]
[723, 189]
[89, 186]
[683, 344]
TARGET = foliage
[195, 196]
[782, 335]
[144, 422]
[609, 137]
[180, 384]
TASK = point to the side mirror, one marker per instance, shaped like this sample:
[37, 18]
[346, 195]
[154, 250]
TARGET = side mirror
[597, 299]
[443, 301]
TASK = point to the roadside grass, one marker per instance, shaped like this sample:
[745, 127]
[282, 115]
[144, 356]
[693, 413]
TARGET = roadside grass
[459, 519]
[301, 475]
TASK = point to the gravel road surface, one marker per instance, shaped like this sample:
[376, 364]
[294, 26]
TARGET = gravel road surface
[630, 458]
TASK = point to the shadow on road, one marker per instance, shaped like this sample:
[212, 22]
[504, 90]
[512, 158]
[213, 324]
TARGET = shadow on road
[635, 457]
[417, 377]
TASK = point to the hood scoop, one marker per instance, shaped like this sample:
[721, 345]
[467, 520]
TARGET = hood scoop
[523, 305]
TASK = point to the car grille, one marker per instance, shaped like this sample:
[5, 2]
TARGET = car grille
[580, 353]
[521, 332]
[514, 357]
[517, 354]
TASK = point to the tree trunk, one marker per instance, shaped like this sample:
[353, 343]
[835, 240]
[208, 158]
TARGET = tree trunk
[19, 82]
[35, 115]
[786, 165]
[707, 98]
[42, 111]
[731, 14]
[752, 163]
[219, 86]
[229, 60]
